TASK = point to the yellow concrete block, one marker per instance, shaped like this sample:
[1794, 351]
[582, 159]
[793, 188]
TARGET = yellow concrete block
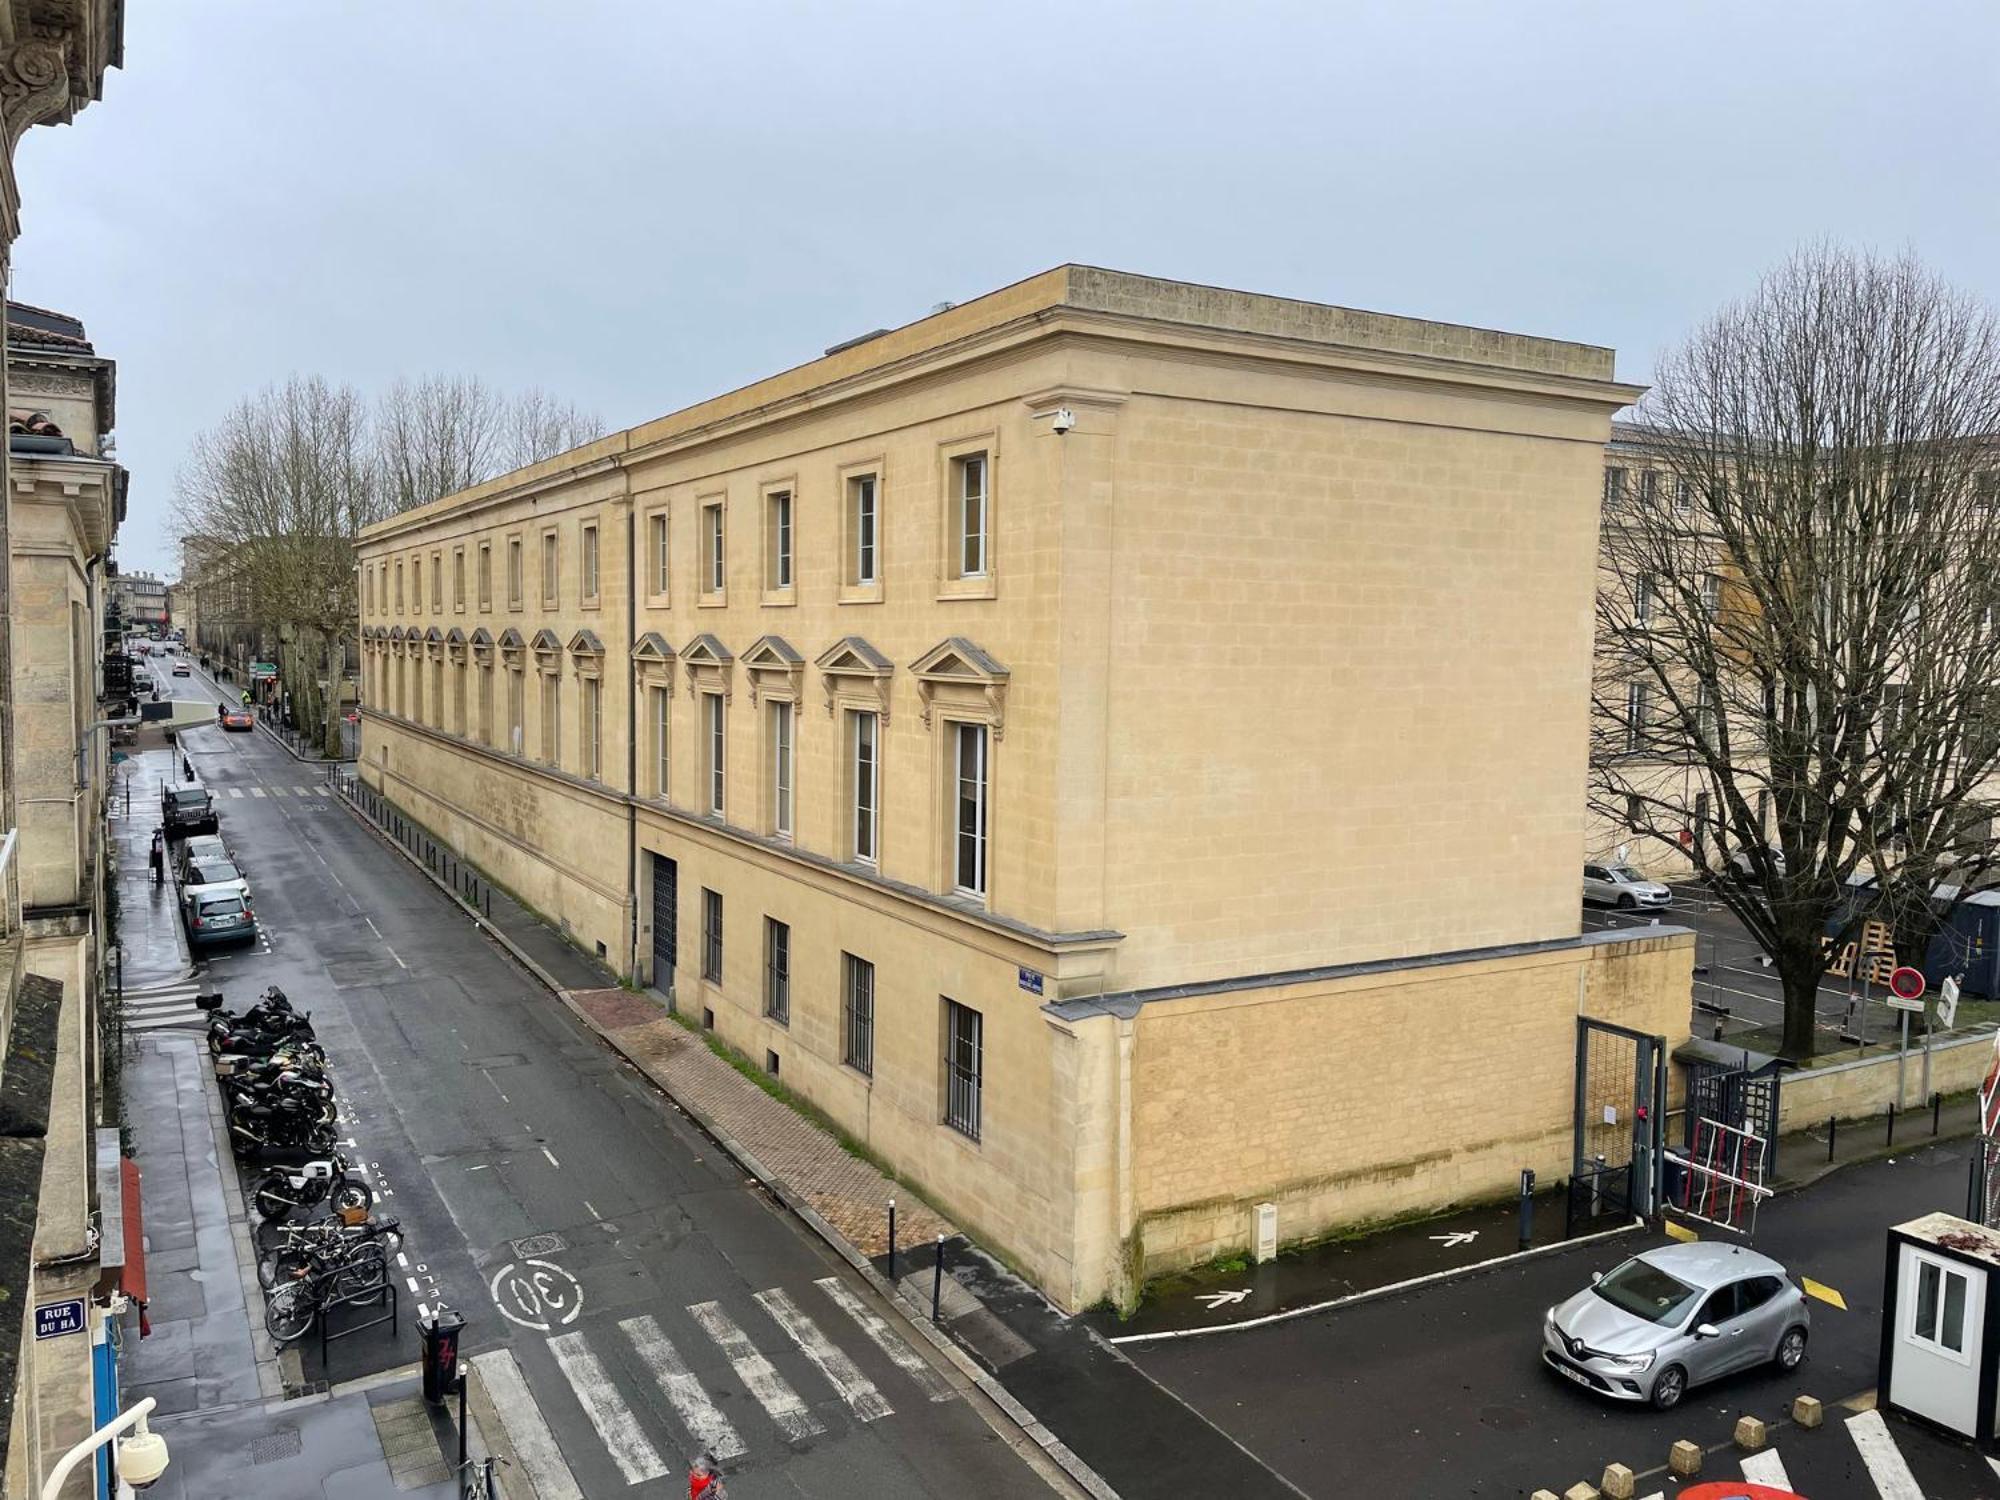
[1545, 1495]
[1617, 1483]
[1806, 1412]
[1684, 1459]
[1581, 1491]
[1751, 1434]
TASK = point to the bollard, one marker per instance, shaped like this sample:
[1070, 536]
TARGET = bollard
[1597, 1186]
[937, 1279]
[463, 1426]
[892, 1239]
[1937, 1103]
[1892, 1122]
[1832, 1124]
[1527, 1206]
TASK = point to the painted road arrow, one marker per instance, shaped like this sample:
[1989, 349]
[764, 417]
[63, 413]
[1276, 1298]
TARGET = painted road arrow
[1456, 1238]
[1222, 1299]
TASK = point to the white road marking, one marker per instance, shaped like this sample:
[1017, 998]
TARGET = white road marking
[534, 1445]
[256, 791]
[323, 791]
[757, 1373]
[538, 1294]
[552, 1158]
[402, 1261]
[877, 1328]
[1884, 1461]
[393, 954]
[413, 1284]
[371, 926]
[236, 792]
[1766, 1468]
[705, 1423]
[637, 1459]
[591, 1211]
[860, 1393]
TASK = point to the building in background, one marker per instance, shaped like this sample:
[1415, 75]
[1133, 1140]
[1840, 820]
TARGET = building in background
[62, 1179]
[142, 602]
[1116, 747]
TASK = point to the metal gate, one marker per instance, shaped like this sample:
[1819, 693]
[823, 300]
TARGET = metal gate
[666, 933]
[1621, 1090]
[1738, 1098]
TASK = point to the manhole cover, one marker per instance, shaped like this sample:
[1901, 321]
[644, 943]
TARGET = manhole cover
[282, 1444]
[539, 1244]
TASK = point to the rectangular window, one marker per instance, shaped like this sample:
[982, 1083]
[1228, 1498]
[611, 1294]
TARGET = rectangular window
[1649, 486]
[437, 582]
[485, 575]
[552, 718]
[777, 971]
[1642, 602]
[399, 587]
[368, 584]
[437, 695]
[964, 1038]
[781, 769]
[416, 585]
[969, 503]
[778, 540]
[1635, 717]
[1614, 486]
[656, 549]
[1683, 496]
[593, 728]
[486, 704]
[551, 578]
[590, 564]
[711, 936]
[1937, 1316]
[862, 526]
[1711, 594]
[1704, 711]
[717, 750]
[516, 705]
[458, 723]
[864, 774]
[712, 559]
[857, 1013]
[458, 579]
[662, 710]
[513, 572]
[969, 800]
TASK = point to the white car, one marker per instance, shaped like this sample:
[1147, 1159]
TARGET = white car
[1623, 887]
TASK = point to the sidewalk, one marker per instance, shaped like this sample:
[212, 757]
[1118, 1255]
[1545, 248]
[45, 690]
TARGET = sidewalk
[149, 929]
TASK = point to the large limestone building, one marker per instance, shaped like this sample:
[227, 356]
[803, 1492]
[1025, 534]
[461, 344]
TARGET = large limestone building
[1115, 746]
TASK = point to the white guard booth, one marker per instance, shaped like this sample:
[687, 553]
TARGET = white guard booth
[1941, 1325]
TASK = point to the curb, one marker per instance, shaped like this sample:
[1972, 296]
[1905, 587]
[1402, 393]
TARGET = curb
[1030, 1426]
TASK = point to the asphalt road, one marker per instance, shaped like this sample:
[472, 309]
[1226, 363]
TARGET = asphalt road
[1441, 1391]
[533, 1169]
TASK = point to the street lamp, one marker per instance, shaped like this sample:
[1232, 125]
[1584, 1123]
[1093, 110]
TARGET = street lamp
[140, 1461]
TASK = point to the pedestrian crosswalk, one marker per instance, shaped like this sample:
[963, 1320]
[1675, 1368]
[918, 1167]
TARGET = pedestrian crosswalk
[1817, 1464]
[239, 793]
[718, 1375]
[163, 1005]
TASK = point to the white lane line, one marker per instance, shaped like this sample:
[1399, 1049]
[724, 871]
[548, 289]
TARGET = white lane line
[886, 1339]
[371, 926]
[534, 1445]
[394, 954]
[402, 1261]
[637, 1459]
[413, 1283]
[590, 1210]
[256, 791]
[1766, 1468]
[704, 1421]
[552, 1158]
[860, 1393]
[757, 1373]
[1884, 1461]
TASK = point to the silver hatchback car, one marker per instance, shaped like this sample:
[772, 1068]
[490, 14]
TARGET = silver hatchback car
[1675, 1317]
[1623, 887]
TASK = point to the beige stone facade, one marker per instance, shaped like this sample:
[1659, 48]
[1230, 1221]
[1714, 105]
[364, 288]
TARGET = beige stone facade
[1077, 702]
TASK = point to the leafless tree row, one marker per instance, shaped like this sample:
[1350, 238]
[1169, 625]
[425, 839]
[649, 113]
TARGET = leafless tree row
[270, 499]
[1800, 677]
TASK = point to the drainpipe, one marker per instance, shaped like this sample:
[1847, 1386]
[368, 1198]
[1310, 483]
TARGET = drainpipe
[631, 740]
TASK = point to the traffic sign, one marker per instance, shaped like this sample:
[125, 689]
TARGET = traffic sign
[1906, 988]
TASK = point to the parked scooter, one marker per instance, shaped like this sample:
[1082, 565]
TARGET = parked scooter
[283, 1190]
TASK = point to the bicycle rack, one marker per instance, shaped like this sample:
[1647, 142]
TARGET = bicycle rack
[367, 1297]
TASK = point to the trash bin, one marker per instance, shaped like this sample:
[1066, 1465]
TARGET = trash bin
[440, 1358]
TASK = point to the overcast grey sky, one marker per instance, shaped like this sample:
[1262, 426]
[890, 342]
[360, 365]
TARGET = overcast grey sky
[639, 204]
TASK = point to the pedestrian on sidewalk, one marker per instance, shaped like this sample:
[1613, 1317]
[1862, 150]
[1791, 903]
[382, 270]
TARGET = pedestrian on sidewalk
[159, 856]
[705, 1480]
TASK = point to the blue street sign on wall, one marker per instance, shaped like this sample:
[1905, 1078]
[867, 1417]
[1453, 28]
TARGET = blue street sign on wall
[54, 1319]
[1031, 981]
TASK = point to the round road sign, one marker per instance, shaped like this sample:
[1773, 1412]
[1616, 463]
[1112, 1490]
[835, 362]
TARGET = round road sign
[1906, 983]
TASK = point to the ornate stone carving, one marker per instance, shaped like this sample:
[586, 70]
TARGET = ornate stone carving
[34, 84]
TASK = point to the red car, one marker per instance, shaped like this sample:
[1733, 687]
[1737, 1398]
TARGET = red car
[237, 718]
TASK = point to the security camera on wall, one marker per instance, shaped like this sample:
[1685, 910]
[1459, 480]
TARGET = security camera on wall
[1063, 420]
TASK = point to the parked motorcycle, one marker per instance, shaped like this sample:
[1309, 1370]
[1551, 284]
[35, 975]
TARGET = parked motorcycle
[310, 1088]
[261, 1028]
[284, 1190]
[286, 1125]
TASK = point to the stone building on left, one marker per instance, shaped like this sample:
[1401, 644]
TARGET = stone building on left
[63, 1183]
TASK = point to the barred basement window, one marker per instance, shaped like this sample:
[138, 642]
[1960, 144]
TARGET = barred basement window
[964, 1035]
[857, 1013]
[711, 936]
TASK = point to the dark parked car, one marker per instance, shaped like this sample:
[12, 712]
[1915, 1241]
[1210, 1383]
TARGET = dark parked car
[187, 809]
[218, 915]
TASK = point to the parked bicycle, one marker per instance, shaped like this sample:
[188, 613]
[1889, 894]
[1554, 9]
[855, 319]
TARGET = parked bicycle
[294, 1306]
[303, 1250]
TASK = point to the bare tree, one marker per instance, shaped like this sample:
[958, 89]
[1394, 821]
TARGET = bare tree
[1796, 682]
[445, 433]
[268, 505]
[539, 426]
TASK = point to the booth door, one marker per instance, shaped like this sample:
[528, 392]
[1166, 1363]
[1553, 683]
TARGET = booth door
[1936, 1352]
